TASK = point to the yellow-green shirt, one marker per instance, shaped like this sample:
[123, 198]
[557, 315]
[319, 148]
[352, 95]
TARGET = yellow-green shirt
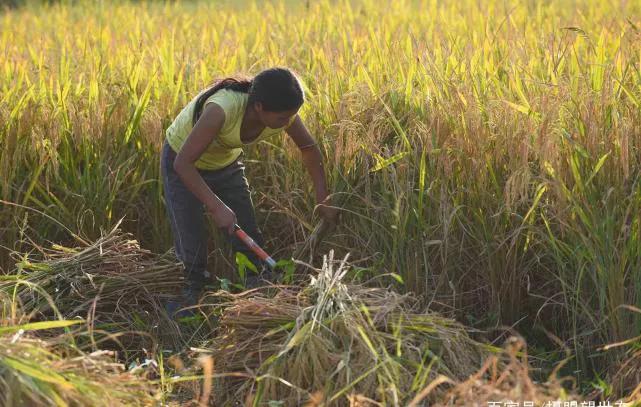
[226, 145]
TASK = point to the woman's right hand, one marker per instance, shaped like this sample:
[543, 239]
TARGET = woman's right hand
[224, 217]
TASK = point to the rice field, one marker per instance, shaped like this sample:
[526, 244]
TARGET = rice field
[485, 157]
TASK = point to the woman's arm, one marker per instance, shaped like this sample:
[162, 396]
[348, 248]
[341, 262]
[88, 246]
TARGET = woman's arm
[202, 134]
[313, 161]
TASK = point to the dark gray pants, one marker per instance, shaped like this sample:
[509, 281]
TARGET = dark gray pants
[186, 213]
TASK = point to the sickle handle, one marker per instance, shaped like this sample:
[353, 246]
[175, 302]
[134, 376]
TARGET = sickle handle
[254, 247]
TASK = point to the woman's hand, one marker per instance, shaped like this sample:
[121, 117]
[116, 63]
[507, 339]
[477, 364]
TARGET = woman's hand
[224, 217]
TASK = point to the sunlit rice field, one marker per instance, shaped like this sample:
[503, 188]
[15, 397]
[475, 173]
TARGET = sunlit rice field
[485, 157]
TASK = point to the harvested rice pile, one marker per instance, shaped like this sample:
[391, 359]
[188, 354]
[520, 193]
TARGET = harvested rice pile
[113, 283]
[330, 339]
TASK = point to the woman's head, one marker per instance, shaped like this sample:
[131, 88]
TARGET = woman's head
[275, 94]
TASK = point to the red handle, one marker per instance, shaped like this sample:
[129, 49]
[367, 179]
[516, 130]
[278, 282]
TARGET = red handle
[254, 247]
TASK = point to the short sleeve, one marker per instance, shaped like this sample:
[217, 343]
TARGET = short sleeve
[228, 102]
[231, 104]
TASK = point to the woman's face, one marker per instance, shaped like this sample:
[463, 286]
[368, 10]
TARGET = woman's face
[274, 120]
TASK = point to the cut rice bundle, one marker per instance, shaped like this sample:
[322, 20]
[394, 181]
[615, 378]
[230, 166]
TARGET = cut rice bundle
[334, 338]
[113, 283]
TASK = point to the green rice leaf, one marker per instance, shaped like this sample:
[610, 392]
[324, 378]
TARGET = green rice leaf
[36, 326]
[34, 371]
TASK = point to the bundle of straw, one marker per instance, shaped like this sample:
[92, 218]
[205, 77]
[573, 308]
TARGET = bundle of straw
[333, 338]
[113, 283]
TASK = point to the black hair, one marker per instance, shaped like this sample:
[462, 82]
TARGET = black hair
[277, 89]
